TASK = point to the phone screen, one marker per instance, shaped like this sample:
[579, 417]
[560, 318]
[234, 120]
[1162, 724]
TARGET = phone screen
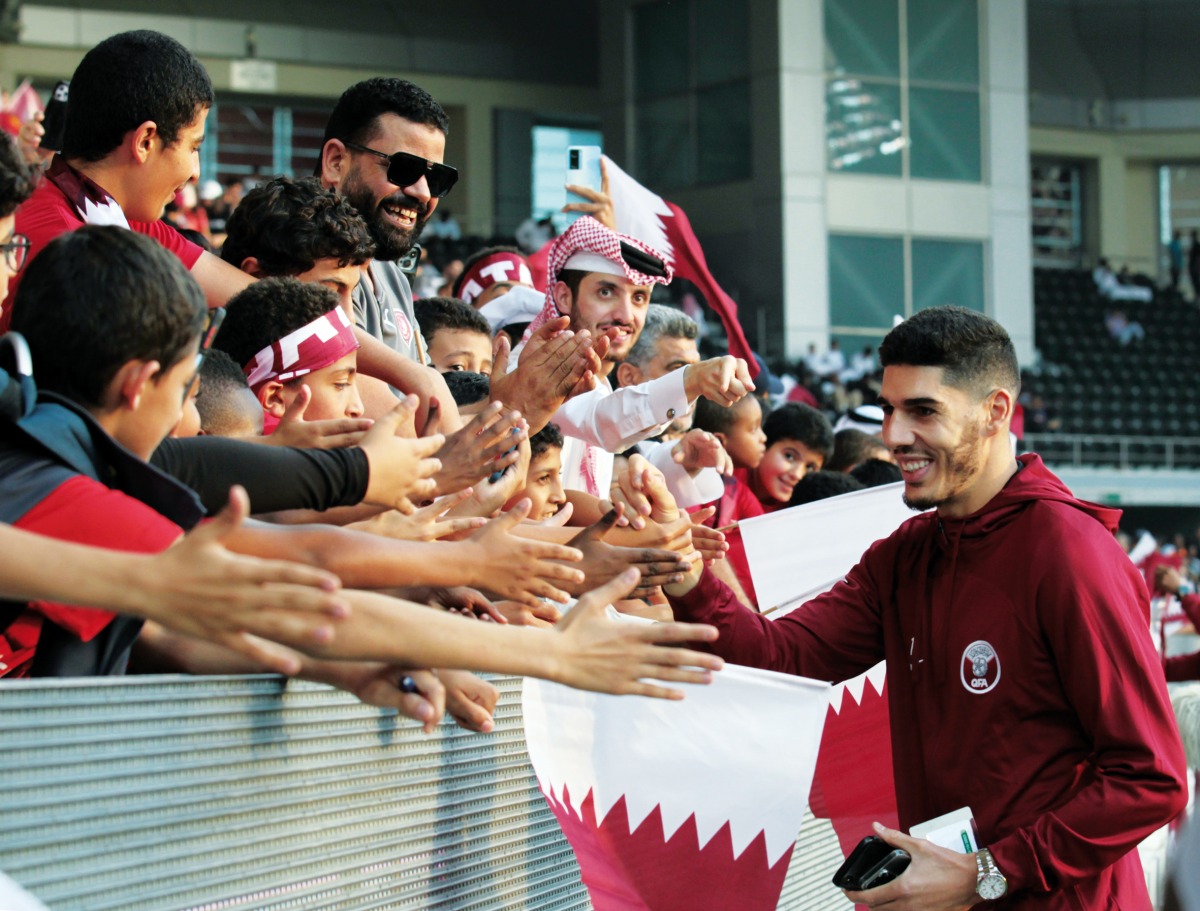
[583, 169]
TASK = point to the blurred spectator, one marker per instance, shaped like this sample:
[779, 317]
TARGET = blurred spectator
[820, 485]
[851, 447]
[1111, 287]
[1175, 258]
[1121, 329]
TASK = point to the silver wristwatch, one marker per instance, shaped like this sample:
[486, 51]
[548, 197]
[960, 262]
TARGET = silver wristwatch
[990, 882]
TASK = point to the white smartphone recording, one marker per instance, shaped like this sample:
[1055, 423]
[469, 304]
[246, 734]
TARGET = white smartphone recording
[583, 170]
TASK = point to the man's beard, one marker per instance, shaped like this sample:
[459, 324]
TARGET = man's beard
[960, 470]
[391, 242]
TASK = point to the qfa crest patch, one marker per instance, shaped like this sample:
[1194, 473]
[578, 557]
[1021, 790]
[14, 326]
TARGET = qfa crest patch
[979, 668]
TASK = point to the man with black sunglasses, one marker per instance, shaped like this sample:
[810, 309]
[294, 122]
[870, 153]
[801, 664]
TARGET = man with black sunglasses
[383, 150]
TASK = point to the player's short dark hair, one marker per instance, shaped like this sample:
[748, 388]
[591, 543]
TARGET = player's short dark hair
[548, 437]
[16, 178]
[802, 423]
[876, 472]
[850, 447]
[355, 115]
[820, 485]
[268, 310]
[434, 313]
[220, 380]
[126, 80]
[974, 350]
[95, 299]
[287, 224]
[456, 288]
[466, 387]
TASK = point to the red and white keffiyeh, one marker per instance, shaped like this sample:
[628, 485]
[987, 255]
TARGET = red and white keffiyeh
[498, 267]
[325, 340]
[592, 245]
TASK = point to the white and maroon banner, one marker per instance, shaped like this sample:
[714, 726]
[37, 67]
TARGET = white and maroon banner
[854, 784]
[691, 804]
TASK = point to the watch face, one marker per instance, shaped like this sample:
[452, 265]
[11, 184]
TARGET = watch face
[992, 886]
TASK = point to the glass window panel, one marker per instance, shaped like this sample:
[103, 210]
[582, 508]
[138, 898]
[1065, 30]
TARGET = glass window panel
[665, 156]
[863, 132]
[945, 134]
[722, 41]
[660, 45]
[723, 133]
[947, 272]
[863, 37]
[943, 40]
[866, 280]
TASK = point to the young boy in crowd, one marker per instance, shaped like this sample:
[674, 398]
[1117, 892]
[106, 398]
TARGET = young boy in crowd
[457, 335]
[289, 334]
[543, 481]
[227, 406]
[739, 428]
[799, 440]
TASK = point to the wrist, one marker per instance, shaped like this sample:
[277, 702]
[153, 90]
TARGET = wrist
[691, 381]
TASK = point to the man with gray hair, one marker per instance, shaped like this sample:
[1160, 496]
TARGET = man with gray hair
[667, 342]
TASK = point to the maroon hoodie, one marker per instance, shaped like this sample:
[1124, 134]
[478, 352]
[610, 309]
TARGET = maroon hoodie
[1022, 678]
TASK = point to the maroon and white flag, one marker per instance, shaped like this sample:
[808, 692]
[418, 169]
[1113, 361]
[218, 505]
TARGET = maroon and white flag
[691, 804]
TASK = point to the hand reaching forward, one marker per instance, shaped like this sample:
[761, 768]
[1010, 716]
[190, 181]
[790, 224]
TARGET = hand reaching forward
[620, 656]
[198, 588]
[602, 560]
[402, 469]
[555, 364]
[486, 444]
[515, 568]
[293, 430]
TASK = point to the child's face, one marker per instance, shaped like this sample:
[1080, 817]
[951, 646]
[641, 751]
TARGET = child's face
[460, 349]
[334, 392]
[785, 462]
[745, 441]
[543, 485]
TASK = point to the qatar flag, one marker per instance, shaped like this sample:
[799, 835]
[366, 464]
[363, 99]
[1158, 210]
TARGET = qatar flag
[691, 804]
[854, 784]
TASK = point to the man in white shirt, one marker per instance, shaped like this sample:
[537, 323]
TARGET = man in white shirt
[602, 281]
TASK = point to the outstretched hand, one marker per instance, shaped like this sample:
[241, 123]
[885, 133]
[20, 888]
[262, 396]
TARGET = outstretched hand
[198, 588]
[516, 568]
[620, 656]
[293, 430]
[555, 364]
[401, 468]
[602, 560]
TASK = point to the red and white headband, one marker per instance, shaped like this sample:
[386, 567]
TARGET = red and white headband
[498, 267]
[325, 340]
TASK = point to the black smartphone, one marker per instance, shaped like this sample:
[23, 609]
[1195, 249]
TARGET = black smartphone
[872, 863]
[54, 120]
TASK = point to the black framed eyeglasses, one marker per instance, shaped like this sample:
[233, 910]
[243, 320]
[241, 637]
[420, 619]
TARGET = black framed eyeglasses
[16, 251]
[215, 317]
[404, 170]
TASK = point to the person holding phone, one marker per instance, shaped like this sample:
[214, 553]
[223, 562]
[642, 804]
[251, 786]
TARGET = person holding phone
[1022, 680]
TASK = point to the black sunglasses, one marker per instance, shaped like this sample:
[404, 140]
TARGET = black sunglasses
[212, 325]
[404, 170]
